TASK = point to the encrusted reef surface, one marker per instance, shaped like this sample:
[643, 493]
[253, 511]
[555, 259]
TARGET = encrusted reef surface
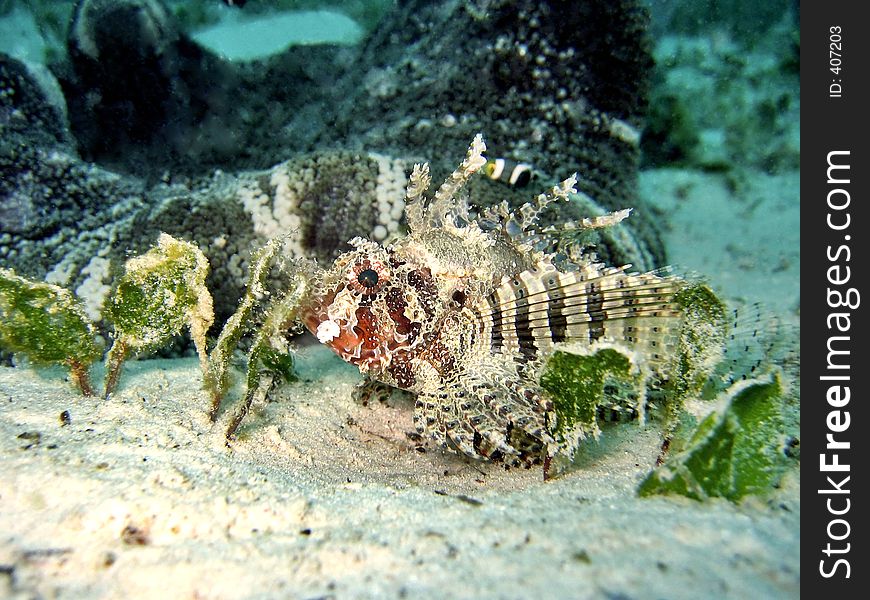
[155, 133]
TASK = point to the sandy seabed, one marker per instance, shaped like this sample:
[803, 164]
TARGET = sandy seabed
[321, 496]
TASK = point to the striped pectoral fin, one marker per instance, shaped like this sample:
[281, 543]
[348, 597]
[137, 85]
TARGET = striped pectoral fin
[428, 417]
[457, 420]
[508, 415]
[528, 314]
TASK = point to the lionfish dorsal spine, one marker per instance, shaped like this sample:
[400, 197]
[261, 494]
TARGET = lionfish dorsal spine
[418, 183]
[446, 200]
[447, 208]
[530, 210]
[518, 224]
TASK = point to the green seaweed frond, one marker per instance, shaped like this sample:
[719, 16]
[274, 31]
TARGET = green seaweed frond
[217, 380]
[47, 324]
[734, 452]
[161, 292]
[271, 360]
[702, 340]
[579, 384]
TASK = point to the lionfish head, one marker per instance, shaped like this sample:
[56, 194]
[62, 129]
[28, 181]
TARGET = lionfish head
[371, 305]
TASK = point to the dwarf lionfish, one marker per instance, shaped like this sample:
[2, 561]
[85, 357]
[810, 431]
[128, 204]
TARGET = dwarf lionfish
[465, 309]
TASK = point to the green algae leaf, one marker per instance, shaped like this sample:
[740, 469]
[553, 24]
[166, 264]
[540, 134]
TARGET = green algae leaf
[732, 453]
[270, 359]
[579, 383]
[161, 292]
[47, 324]
[701, 342]
[282, 364]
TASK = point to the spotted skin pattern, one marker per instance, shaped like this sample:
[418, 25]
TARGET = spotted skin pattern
[464, 310]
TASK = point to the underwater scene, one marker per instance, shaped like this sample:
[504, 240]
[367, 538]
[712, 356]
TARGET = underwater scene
[399, 298]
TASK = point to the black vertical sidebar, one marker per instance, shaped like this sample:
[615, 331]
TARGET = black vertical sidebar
[835, 361]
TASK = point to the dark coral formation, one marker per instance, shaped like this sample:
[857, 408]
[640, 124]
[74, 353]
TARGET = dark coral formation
[184, 142]
[559, 84]
[544, 81]
[141, 92]
[46, 190]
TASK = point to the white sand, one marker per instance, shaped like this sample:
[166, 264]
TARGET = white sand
[745, 242]
[323, 497]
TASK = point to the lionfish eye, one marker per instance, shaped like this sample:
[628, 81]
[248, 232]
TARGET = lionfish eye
[368, 278]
